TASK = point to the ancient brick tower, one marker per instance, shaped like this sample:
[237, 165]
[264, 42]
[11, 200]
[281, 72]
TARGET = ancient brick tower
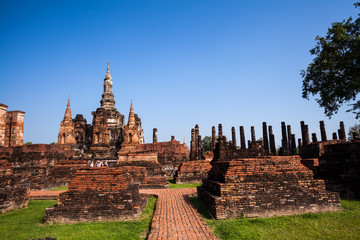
[114, 120]
[11, 127]
[133, 131]
[67, 128]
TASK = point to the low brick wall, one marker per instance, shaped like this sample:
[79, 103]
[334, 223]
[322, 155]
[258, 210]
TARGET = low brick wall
[98, 194]
[264, 187]
[14, 190]
[154, 182]
[193, 171]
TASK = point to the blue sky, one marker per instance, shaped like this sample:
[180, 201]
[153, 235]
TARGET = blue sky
[182, 62]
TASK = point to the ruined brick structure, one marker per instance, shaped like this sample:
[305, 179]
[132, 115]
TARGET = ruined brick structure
[14, 191]
[133, 132]
[104, 136]
[67, 128]
[42, 166]
[264, 187]
[336, 161]
[160, 159]
[193, 171]
[98, 194]
[11, 127]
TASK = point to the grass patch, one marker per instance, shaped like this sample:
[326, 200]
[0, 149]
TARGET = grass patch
[344, 224]
[63, 188]
[27, 223]
[172, 184]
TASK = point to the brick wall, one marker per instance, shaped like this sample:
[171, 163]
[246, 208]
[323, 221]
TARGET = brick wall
[193, 171]
[14, 192]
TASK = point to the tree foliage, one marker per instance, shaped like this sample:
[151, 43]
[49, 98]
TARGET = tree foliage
[206, 143]
[354, 131]
[334, 74]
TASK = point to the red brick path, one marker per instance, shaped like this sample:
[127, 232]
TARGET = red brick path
[175, 217]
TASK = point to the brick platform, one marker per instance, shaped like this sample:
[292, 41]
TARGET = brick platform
[98, 194]
[175, 217]
[265, 187]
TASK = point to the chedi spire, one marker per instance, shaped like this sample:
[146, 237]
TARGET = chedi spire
[131, 122]
[107, 100]
[67, 116]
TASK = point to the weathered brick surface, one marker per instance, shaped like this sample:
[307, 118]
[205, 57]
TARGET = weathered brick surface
[3, 110]
[98, 194]
[154, 183]
[43, 166]
[14, 192]
[262, 187]
[339, 166]
[193, 171]
[170, 154]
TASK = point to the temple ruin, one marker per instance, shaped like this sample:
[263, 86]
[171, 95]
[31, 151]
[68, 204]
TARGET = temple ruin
[253, 183]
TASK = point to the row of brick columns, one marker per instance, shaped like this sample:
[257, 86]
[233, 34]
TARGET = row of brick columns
[288, 141]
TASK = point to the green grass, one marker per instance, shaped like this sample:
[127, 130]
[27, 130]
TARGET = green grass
[64, 188]
[344, 224]
[27, 223]
[172, 184]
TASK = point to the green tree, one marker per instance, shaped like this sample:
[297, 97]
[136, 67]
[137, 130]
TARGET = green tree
[28, 143]
[206, 143]
[354, 130]
[334, 74]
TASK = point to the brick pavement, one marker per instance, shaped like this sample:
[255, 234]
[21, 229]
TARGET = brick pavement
[175, 217]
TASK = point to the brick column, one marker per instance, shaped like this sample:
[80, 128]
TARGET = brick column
[213, 138]
[3, 110]
[299, 142]
[199, 148]
[253, 139]
[242, 138]
[272, 141]
[304, 133]
[342, 136]
[293, 145]
[334, 136]
[233, 135]
[196, 141]
[313, 138]
[284, 141]
[192, 145]
[155, 140]
[265, 137]
[289, 138]
[322, 131]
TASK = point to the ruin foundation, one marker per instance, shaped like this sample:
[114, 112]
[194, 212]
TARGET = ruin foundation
[264, 187]
[98, 194]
